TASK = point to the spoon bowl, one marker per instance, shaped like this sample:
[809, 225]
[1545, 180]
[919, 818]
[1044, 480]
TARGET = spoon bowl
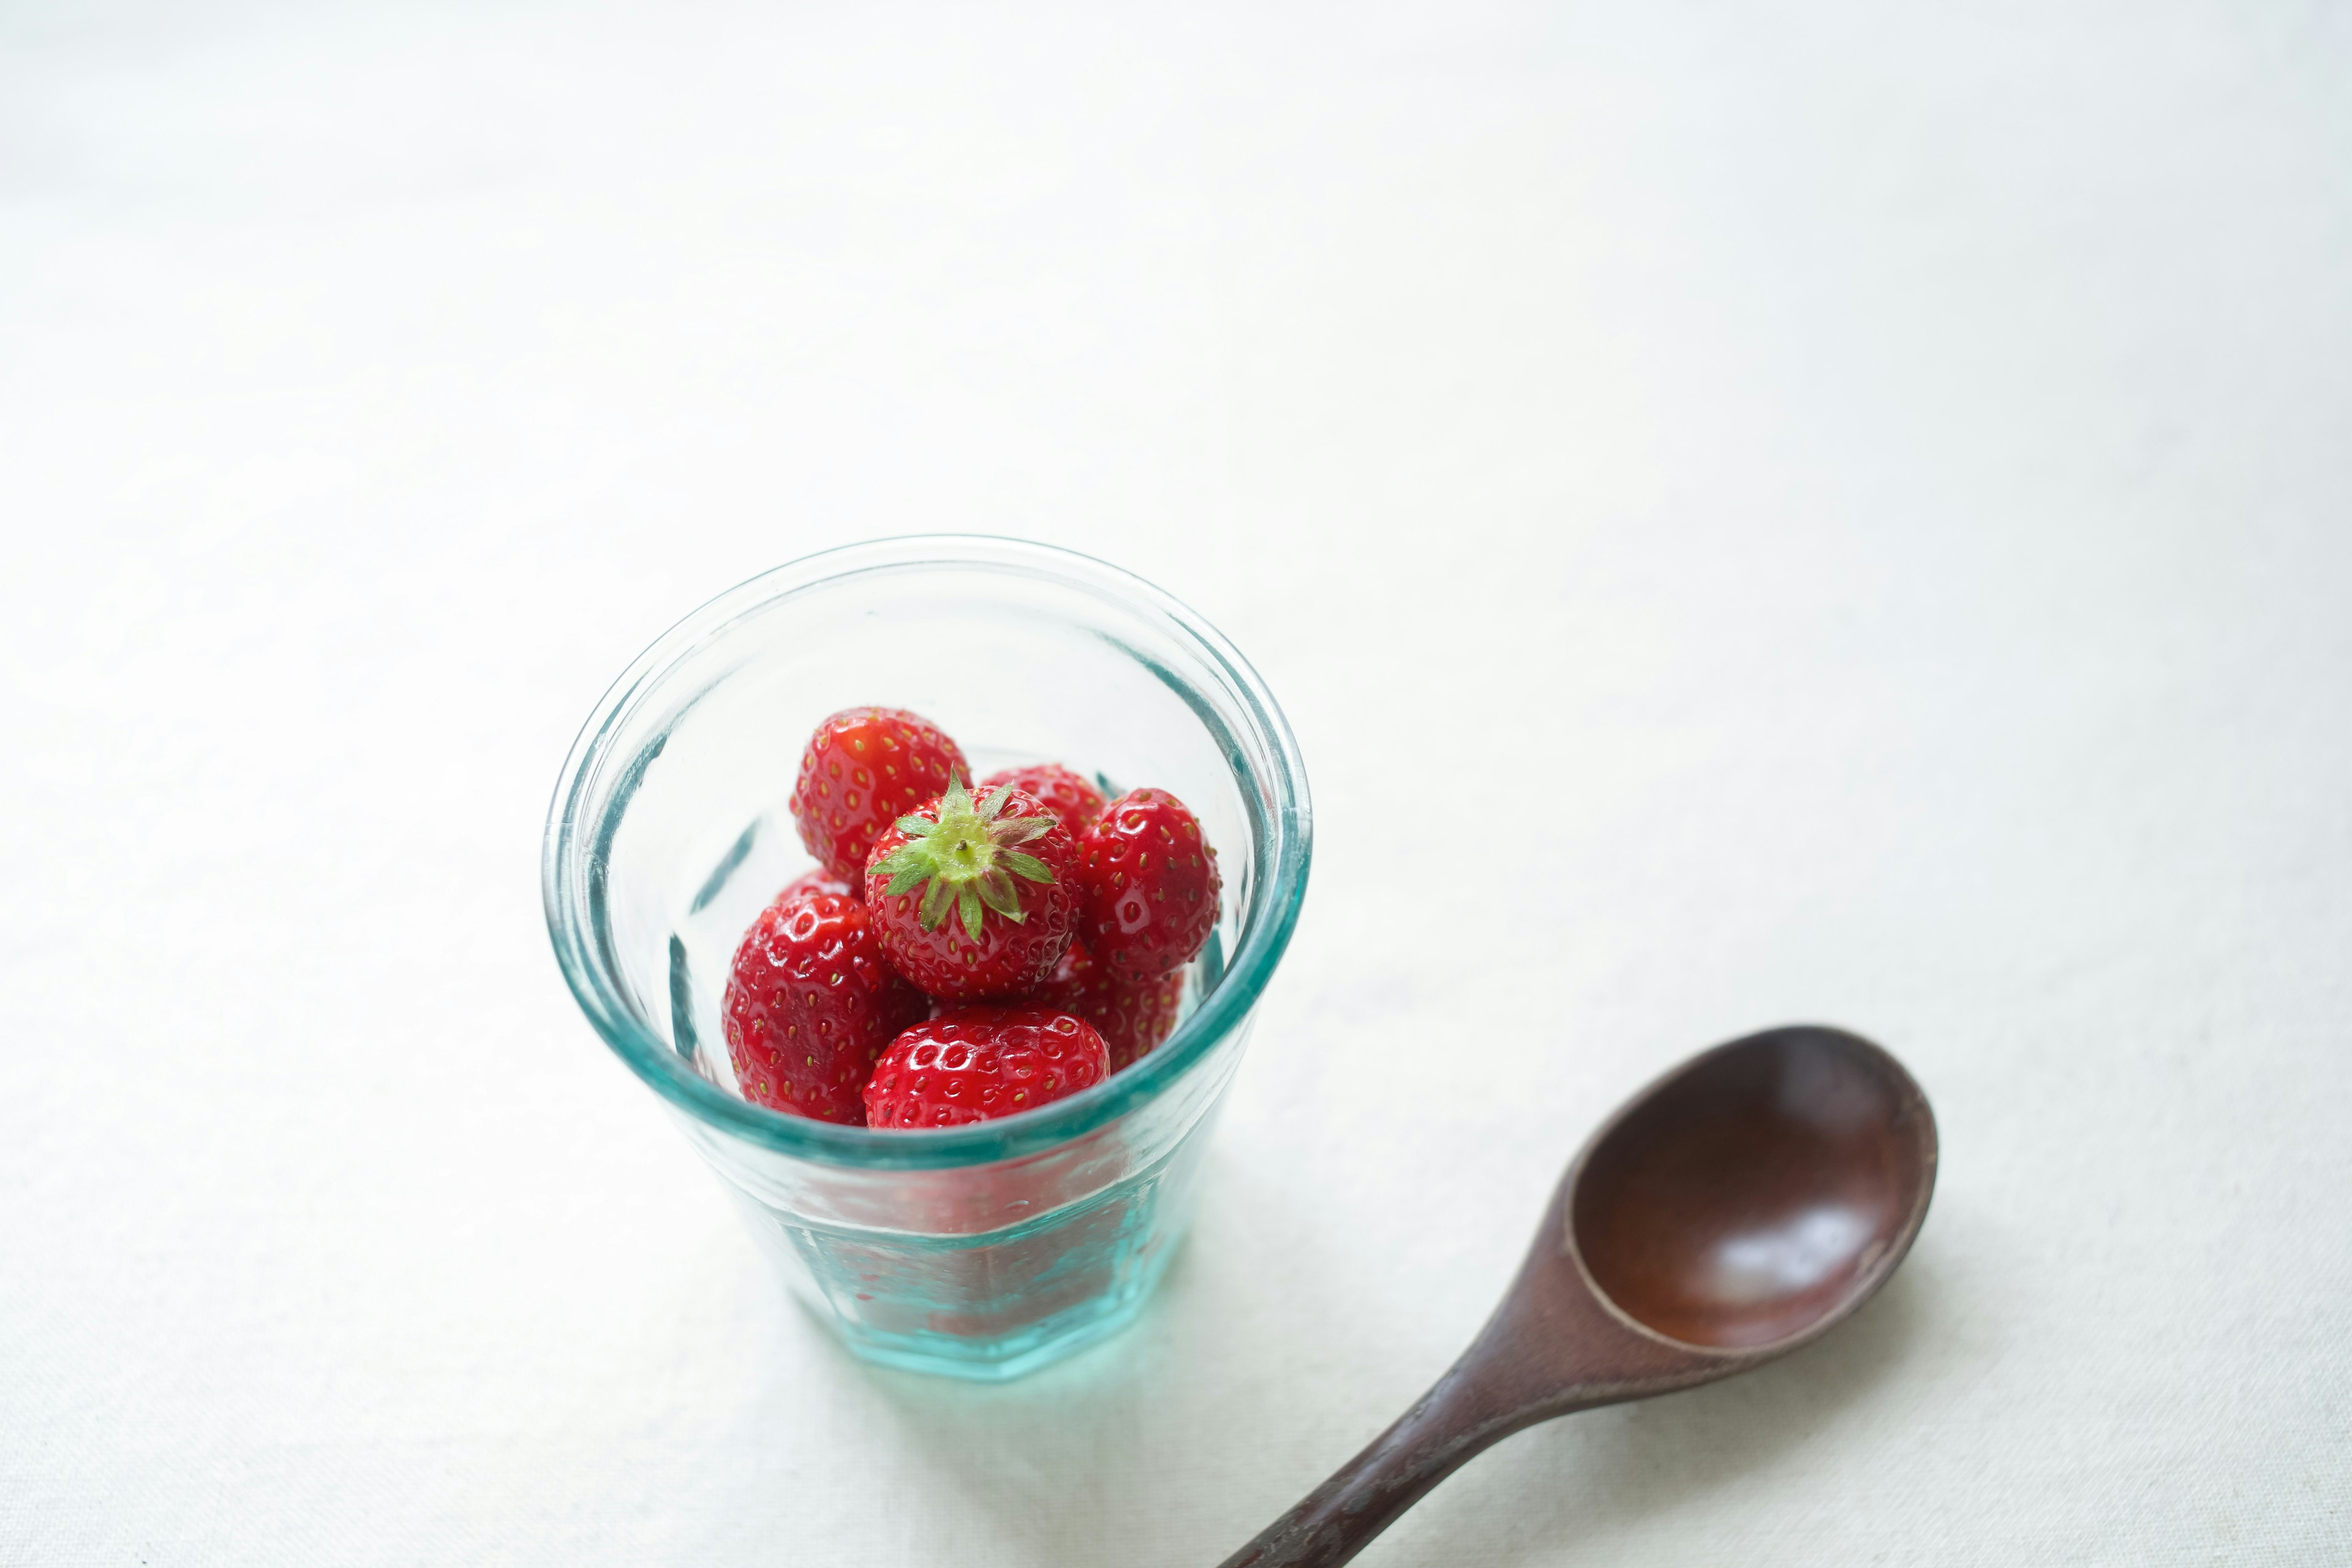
[1738, 1207]
[1757, 1194]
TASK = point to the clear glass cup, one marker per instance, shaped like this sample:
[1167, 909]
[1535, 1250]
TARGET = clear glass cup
[982, 1251]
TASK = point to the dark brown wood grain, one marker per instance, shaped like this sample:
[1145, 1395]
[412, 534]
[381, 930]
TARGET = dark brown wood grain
[1735, 1209]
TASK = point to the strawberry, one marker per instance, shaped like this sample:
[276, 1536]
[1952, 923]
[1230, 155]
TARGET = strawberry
[1003, 868]
[1132, 1016]
[1150, 884]
[818, 880]
[862, 769]
[975, 1063]
[1068, 795]
[810, 1005]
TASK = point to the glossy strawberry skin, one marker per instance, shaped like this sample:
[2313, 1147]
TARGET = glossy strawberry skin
[862, 770]
[1065, 792]
[1008, 957]
[820, 880]
[1131, 1016]
[810, 1005]
[1150, 884]
[975, 1064]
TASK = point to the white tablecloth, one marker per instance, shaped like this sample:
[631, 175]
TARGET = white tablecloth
[1844, 515]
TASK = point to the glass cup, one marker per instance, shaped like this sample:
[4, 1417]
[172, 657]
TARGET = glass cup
[982, 1251]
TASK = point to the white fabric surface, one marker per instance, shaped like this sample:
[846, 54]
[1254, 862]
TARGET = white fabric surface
[1835, 512]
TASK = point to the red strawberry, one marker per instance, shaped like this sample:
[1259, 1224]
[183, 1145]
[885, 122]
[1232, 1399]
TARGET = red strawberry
[1132, 1016]
[1004, 870]
[1151, 883]
[1067, 794]
[975, 1063]
[810, 1005]
[818, 880]
[862, 769]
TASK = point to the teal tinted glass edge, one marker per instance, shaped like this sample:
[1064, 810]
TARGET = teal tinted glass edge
[571, 861]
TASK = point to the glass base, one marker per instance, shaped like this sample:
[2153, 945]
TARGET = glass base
[993, 1307]
[1008, 1357]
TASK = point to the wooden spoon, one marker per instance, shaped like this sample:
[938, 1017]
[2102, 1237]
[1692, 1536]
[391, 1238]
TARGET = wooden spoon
[1735, 1209]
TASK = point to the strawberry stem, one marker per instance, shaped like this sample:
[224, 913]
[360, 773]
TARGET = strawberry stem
[968, 859]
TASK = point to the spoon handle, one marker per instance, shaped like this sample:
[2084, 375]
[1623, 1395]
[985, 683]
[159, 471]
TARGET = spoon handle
[1452, 1422]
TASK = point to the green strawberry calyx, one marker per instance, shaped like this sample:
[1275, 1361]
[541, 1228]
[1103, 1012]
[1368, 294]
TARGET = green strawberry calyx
[970, 857]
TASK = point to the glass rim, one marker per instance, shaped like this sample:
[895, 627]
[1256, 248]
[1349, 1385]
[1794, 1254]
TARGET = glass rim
[570, 889]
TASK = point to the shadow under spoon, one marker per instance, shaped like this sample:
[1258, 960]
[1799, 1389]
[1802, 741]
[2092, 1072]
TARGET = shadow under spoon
[1736, 1208]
